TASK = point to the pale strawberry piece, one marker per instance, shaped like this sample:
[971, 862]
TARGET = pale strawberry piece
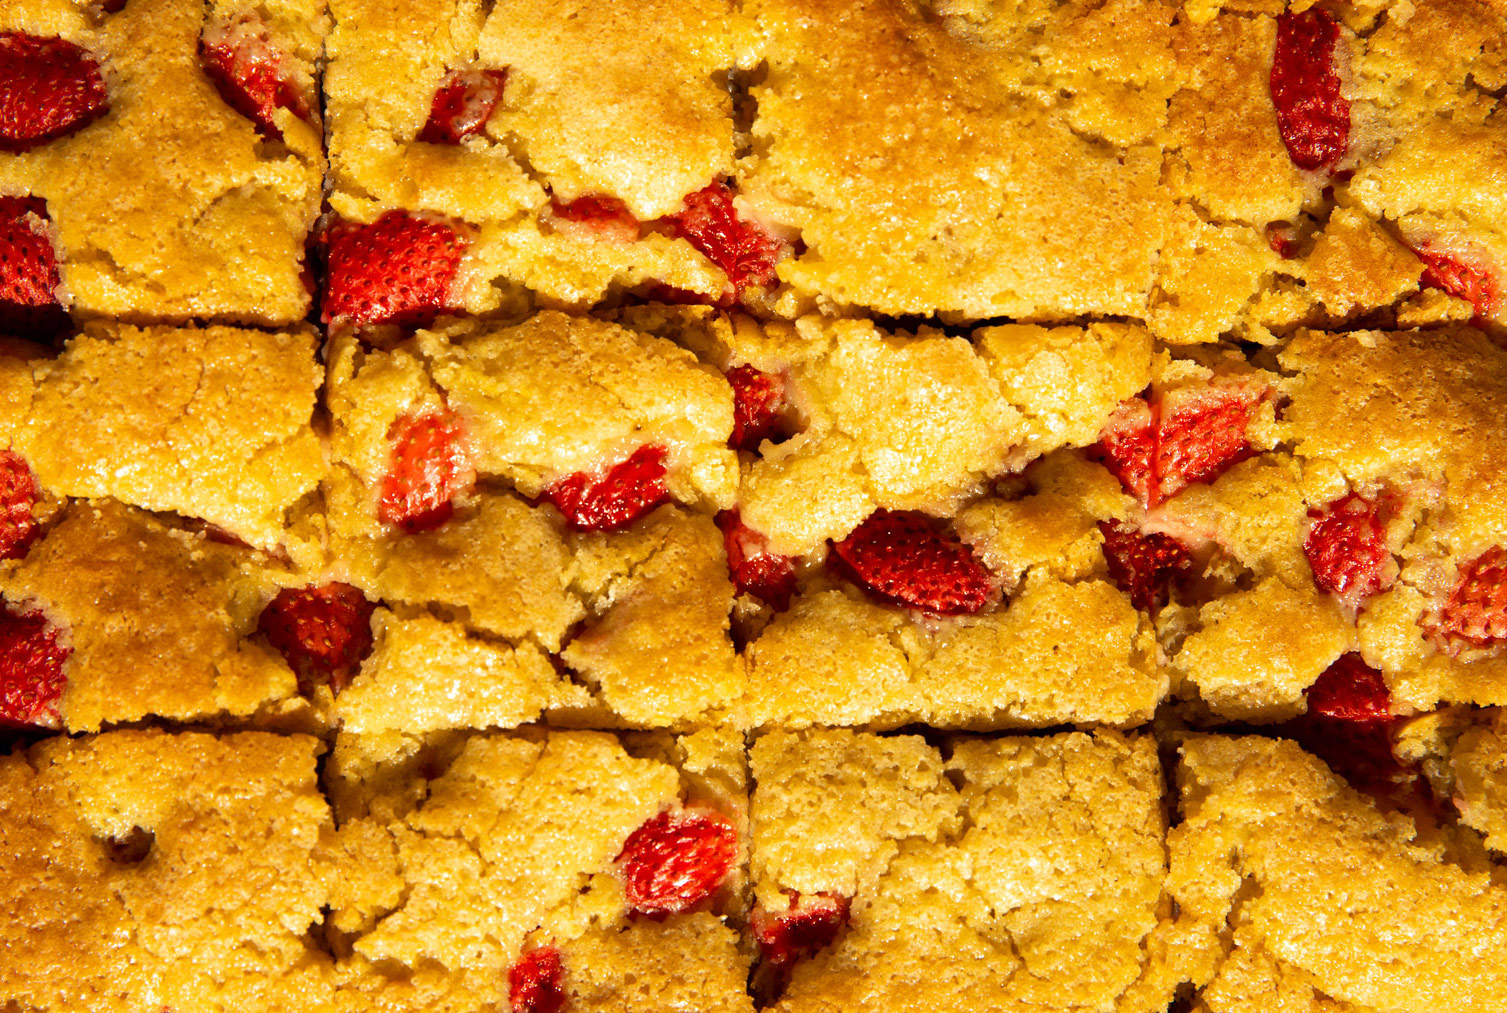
[746, 253]
[1476, 611]
[1312, 116]
[1350, 690]
[905, 557]
[463, 104]
[605, 216]
[807, 926]
[18, 494]
[534, 983]
[755, 570]
[1158, 449]
[29, 275]
[324, 632]
[397, 270]
[676, 860]
[627, 491]
[1347, 548]
[758, 402]
[49, 87]
[430, 467]
[252, 75]
[1143, 565]
[31, 670]
[1463, 280]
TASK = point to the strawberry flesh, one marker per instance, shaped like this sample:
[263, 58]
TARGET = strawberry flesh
[755, 570]
[676, 860]
[1157, 449]
[809, 925]
[31, 670]
[1349, 726]
[29, 277]
[1127, 447]
[1464, 281]
[905, 558]
[1143, 565]
[629, 490]
[324, 632]
[18, 494]
[1347, 548]
[1314, 119]
[534, 983]
[397, 270]
[49, 87]
[758, 402]
[1476, 611]
[1350, 690]
[463, 104]
[746, 253]
[252, 75]
[605, 215]
[430, 467]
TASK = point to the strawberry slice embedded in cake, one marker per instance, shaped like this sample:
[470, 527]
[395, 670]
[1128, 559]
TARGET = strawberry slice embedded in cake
[49, 87]
[604, 216]
[628, 490]
[758, 402]
[29, 277]
[746, 253]
[676, 860]
[430, 467]
[251, 74]
[397, 270]
[1476, 611]
[1312, 115]
[534, 982]
[808, 925]
[1349, 726]
[906, 558]
[1455, 275]
[1347, 549]
[323, 631]
[18, 494]
[1143, 565]
[1350, 690]
[463, 104]
[31, 670]
[755, 570]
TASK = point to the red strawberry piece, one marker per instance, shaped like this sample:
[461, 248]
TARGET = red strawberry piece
[430, 467]
[1359, 750]
[808, 925]
[1143, 565]
[49, 87]
[756, 570]
[31, 670]
[1127, 447]
[746, 253]
[1201, 436]
[1305, 86]
[29, 276]
[18, 494]
[534, 983]
[1350, 690]
[627, 491]
[1476, 611]
[1347, 548]
[252, 75]
[1283, 239]
[758, 401]
[606, 216]
[904, 557]
[324, 632]
[1466, 281]
[676, 860]
[463, 104]
[397, 270]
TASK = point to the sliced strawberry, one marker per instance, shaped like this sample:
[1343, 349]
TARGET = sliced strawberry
[535, 982]
[1347, 548]
[1470, 282]
[1359, 750]
[1476, 611]
[1314, 119]
[29, 277]
[1350, 690]
[1127, 447]
[463, 104]
[252, 75]
[397, 270]
[758, 401]
[906, 558]
[746, 253]
[756, 570]
[430, 467]
[18, 494]
[629, 490]
[31, 670]
[605, 216]
[49, 87]
[676, 860]
[1143, 565]
[1283, 240]
[808, 925]
[1187, 436]
[324, 632]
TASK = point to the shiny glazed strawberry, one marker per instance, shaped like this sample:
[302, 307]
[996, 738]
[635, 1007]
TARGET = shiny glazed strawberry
[18, 494]
[31, 670]
[755, 570]
[463, 104]
[808, 925]
[758, 401]
[324, 632]
[1350, 690]
[746, 253]
[905, 557]
[29, 277]
[1314, 119]
[430, 467]
[1477, 607]
[252, 75]
[1466, 281]
[676, 860]
[627, 491]
[605, 216]
[1347, 548]
[49, 87]
[397, 270]
[1143, 565]
[535, 982]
